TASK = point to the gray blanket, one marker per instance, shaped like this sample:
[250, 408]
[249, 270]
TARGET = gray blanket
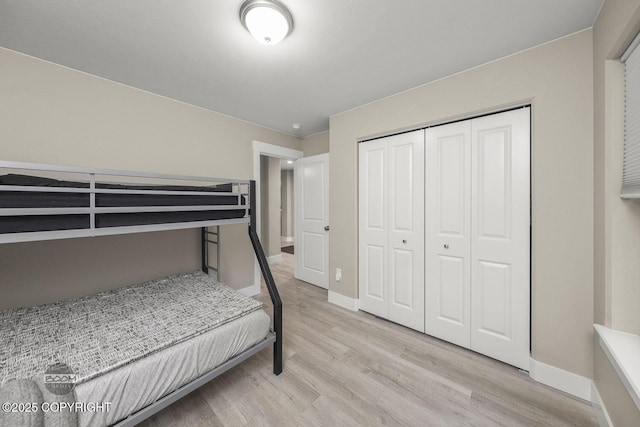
[96, 334]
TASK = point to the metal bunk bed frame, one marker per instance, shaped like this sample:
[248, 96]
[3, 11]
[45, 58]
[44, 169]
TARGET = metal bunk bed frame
[250, 217]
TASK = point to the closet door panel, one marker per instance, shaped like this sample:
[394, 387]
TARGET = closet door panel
[447, 247]
[375, 272]
[500, 240]
[402, 268]
[406, 229]
[451, 289]
[494, 183]
[373, 228]
[494, 287]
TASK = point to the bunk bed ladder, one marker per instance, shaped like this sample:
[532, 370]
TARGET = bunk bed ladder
[213, 238]
[268, 278]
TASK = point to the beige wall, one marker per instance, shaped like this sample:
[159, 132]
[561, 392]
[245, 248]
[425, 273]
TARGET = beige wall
[617, 221]
[274, 207]
[37, 273]
[270, 205]
[286, 197]
[52, 114]
[316, 144]
[556, 78]
[264, 204]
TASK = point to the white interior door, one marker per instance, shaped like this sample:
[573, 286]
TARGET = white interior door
[311, 187]
[373, 228]
[448, 223]
[500, 240]
[406, 229]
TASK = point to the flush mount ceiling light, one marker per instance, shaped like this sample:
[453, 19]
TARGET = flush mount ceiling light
[268, 21]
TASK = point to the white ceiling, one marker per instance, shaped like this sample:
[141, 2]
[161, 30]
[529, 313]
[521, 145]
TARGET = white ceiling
[341, 53]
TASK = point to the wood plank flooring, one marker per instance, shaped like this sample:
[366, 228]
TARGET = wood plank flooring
[352, 369]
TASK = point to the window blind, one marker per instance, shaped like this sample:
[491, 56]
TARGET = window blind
[631, 164]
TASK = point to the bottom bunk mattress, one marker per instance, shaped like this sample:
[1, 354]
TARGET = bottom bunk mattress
[133, 345]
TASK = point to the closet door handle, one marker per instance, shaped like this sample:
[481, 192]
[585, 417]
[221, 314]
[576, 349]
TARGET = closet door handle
[446, 246]
[326, 228]
[404, 241]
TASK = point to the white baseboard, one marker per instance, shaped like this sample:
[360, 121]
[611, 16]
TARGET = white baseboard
[344, 302]
[251, 290]
[560, 379]
[598, 407]
[286, 238]
[274, 259]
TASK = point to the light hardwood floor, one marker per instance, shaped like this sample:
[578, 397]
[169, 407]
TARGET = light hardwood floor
[343, 368]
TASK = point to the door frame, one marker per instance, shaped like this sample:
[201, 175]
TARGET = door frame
[271, 150]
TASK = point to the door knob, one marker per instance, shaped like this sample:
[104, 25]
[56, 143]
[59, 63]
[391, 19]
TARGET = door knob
[404, 241]
[326, 228]
[446, 246]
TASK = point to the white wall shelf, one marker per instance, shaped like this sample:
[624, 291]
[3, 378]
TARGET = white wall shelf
[623, 350]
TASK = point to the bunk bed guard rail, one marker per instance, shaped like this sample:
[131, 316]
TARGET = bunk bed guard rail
[134, 199]
[86, 206]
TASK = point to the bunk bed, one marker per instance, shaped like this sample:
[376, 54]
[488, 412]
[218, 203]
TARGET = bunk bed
[198, 334]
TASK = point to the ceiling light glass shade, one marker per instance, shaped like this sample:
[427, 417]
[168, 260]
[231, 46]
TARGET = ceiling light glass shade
[268, 21]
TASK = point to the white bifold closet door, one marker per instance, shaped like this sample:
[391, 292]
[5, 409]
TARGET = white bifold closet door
[478, 239]
[448, 233]
[391, 227]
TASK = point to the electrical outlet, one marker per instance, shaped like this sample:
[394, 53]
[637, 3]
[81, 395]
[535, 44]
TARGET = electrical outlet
[338, 274]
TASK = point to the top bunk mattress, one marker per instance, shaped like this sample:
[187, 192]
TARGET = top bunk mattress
[97, 334]
[13, 199]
